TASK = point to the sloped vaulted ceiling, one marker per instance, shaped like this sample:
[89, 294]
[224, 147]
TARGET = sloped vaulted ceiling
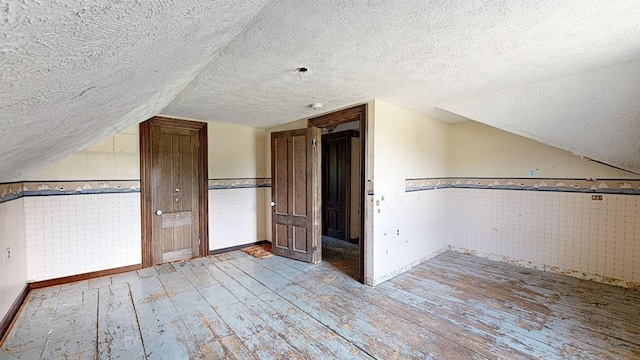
[73, 72]
[565, 73]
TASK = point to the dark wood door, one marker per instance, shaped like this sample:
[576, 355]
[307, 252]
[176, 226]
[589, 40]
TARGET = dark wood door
[175, 196]
[336, 185]
[295, 217]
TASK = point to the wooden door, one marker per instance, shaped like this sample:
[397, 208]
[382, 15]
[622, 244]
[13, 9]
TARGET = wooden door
[174, 190]
[296, 218]
[336, 185]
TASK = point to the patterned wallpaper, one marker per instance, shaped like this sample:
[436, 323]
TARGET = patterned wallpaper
[11, 191]
[602, 186]
[238, 183]
[562, 232]
[57, 223]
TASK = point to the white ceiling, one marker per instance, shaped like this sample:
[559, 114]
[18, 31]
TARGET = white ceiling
[565, 73]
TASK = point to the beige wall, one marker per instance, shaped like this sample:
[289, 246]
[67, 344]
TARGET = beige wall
[234, 152]
[116, 157]
[478, 150]
[407, 145]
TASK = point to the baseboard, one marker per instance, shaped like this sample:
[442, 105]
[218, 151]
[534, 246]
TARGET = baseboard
[13, 312]
[80, 277]
[237, 247]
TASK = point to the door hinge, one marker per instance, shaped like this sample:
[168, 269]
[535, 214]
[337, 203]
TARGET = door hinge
[198, 241]
[314, 142]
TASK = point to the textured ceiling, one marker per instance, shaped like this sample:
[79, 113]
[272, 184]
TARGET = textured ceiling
[565, 73]
[72, 72]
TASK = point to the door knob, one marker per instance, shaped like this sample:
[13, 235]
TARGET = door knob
[158, 212]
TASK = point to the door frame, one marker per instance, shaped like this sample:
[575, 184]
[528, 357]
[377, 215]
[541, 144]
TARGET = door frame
[356, 113]
[146, 183]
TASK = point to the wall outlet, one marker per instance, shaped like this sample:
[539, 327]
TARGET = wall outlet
[8, 253]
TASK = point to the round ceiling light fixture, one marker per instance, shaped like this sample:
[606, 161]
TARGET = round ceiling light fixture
[315, 106]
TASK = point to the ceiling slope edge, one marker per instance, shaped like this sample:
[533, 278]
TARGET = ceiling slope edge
[593, 114]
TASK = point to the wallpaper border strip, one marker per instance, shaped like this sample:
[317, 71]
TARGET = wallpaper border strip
[16, 190]
[593, 186]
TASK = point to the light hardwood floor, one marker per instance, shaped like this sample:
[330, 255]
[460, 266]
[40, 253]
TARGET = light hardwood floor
[453, 306]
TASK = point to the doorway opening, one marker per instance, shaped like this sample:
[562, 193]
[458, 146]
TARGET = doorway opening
[343, 187]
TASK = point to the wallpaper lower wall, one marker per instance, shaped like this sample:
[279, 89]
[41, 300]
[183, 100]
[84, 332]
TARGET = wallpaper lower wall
[567, 233]
[74, 234]
[238, 216]
[585, 228]
[408, 228]
[71, 228]
[551, 224]
[13, 269]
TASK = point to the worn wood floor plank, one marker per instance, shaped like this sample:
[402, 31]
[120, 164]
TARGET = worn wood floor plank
[29, 335]
[478, 336]
[370, 327]
[537, 335]
[257, 336]
[564, 301]
[578, 316]
[462, 322]
[541, 279]
[128, 277]
[100, 282]
[163, 332]
[548, 284]
[204, 324]
[73, 331]
[531, 319]
[299, 330]
[274, 305]
[45, 293]
[118, 330]
[277, 321]
[232, 306]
